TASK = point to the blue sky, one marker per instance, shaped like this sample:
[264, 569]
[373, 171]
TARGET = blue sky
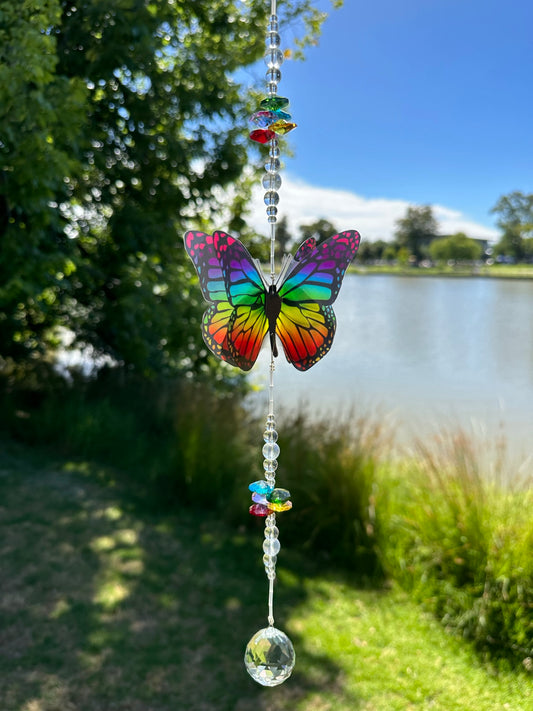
[410, 102]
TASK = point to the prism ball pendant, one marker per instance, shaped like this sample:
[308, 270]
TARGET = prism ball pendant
[269, 657]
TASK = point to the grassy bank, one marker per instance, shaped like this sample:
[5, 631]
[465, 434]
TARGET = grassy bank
[493, 271]
[107, 606]
[457, 539]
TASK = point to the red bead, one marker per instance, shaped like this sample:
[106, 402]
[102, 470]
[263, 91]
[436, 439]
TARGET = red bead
[260, 510]
[262, 135]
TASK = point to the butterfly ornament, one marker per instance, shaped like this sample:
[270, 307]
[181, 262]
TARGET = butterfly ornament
[244, 308]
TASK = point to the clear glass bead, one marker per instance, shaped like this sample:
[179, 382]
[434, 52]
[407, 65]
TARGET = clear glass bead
[273, 58]
[271, 574]
[271, 198]
[271, 181]
[271, 420]
[271, 531]
[272, 212]
[270, 435]
[271, 479]
[271, 450]
[274, 148]
[273, 40]
[272, 166]
[271, 546]
[273, 76]
[270, 465]
[273, 23]
[269, 561]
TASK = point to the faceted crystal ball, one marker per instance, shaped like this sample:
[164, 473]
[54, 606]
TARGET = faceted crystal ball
[269, 657]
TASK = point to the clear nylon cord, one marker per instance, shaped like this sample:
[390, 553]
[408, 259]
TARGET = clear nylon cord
[272, 253]
[273, 11]
[271, 597]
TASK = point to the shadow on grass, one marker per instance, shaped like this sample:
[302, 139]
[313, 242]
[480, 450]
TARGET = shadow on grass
[103, 607]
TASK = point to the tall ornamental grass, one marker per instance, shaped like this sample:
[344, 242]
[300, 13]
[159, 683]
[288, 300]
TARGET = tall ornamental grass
[331, 468]
[456, 529]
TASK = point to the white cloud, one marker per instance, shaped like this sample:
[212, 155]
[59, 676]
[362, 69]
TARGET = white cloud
[374, 218]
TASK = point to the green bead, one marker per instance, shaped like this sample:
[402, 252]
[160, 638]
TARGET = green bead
[278, 496]
[273, 103]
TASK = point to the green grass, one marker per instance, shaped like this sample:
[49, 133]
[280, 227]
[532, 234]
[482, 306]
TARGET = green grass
[107, 607]
[495, 271]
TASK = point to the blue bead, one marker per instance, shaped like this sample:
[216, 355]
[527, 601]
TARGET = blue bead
[261, 487]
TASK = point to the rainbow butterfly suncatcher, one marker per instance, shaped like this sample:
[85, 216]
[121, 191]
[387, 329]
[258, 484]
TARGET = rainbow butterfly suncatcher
[244, 308]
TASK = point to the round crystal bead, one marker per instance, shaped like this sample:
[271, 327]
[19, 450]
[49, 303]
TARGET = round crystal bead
[270, 435]
[274, 149]
[272, 212]
[271, 546]
[273, 23]
[273, 40]
[269, 657]
[271, 531]
[269, 560]
[273, 165]
[270, 465]
[271, 198]
[273, 58]
[271, 181]
[271, 420]
[271, 450]
[273, 75]
[271, 573]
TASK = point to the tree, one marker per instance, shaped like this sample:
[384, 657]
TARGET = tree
[320, 230]
[42, 115]
[283, 237]
[120, 125]
[457, 247]
[416, 230]
[515, 212]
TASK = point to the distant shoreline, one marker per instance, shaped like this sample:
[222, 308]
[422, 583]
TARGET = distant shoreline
[520, 273]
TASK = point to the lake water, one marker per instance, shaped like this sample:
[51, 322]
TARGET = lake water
[429, 352]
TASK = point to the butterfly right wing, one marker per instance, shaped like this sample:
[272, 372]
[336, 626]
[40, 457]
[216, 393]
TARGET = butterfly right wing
[306, 324]
[317, 275]
[306, 332]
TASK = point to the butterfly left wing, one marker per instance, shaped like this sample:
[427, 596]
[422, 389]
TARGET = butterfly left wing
[201, 250]
[306, 323]
[246, 292]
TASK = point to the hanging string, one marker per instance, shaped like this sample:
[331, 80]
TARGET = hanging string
[269, 655]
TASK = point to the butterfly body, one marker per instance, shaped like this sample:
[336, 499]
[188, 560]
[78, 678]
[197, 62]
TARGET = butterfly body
[243, 307]
[272, 309]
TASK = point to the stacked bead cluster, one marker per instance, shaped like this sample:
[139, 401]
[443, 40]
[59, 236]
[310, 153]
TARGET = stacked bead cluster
[268, 500]
[271, 120]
